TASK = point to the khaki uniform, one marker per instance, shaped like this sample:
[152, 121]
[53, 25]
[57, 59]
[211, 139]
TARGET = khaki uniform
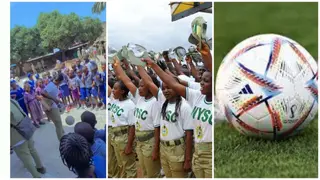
[172, 159]
[202, 160]
[126, 163]
[113, 167]
[54, 115]
[150, 168]
[23, 148]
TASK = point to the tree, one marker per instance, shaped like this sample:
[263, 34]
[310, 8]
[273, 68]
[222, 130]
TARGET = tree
[91, 29]
[25, 43]
[53, 30]
[98, 7]
[59, 31]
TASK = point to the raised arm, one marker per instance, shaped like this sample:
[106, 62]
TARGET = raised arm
[194, 71]
[166, 78]
[177, 66]
[147, 79]
[123, 77]
[206, 55]
[130, 70]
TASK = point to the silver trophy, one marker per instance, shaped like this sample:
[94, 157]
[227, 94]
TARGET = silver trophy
[134, 53]
[180, 52]
[195, 55]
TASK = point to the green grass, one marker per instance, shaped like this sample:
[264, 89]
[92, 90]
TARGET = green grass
[238, 156]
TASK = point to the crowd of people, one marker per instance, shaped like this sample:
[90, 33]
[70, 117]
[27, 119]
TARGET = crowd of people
[50, 95]
[161, 114]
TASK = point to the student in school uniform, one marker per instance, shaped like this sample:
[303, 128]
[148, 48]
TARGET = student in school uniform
[113, 168]
[78, 64]
[31, 100]
[201, 104]
[103, 86]
[121, 110]
[31, 81]
[176, 128]
[98, 146]
[76, 154]
[73, 85]
[82, 89]
[87, 81]
[90, 118]
[96, 82]
[65, 92]
[17, 93]
[146, 124]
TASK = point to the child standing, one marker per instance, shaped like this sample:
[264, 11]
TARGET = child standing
[102, 87]
[74, 88]
[65, 92]
[96, 83]
[17, 93]
[33, 105]
[82, 89]
[31, 81]
[87, 81]
[39, 87]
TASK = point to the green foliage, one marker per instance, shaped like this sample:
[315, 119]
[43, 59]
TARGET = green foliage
[91, 29]
[98, 7]
[53, 30]
[235, 155]
[25, 43]
[57, 30]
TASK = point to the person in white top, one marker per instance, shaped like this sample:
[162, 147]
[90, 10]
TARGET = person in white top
[201, 103]
[146, 123]
[176, 127]
[121, 128]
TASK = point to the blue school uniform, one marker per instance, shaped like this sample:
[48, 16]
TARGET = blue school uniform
[88, 83]
[103, 88]
[82, 87]
[32, 84]
[64, 86]
[99, 166]
[19, 97]
[101, 133]
[99, 148]
[98, 84]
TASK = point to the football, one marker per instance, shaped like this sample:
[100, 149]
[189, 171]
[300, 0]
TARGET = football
[267, 87]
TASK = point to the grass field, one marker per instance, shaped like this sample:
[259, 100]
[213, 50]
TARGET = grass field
[238, 156]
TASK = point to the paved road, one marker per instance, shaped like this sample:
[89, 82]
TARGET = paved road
[47, 144]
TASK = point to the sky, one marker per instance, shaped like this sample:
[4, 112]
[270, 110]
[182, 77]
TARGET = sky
[148, 23]
[26, 13]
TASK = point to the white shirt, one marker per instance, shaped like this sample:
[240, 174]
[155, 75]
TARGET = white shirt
[201, 115]
[121, 112]
[130, 96]
[146, 113]
[186, 78]
[194, 85]
[172, 127]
